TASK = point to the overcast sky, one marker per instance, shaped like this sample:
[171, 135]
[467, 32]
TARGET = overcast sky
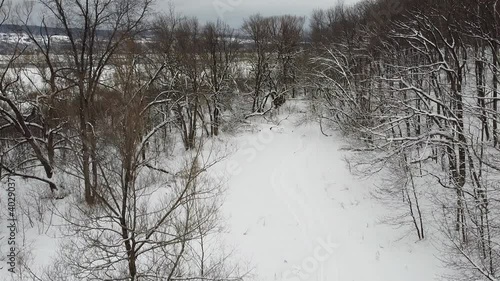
[234, 11]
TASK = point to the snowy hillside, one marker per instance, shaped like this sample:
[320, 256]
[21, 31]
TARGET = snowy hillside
[297, 214]
[294, 212]
[360, 143]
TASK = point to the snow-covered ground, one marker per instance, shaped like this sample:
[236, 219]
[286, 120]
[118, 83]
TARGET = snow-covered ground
[295, 213]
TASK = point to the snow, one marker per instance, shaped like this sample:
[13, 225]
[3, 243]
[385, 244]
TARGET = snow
[296, 213]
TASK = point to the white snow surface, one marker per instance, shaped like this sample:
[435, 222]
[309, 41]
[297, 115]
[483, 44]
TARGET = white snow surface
[296, 213]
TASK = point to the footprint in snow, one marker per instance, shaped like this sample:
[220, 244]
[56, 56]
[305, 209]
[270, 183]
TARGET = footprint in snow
[262, 220]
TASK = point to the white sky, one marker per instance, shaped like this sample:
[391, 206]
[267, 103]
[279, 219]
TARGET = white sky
[234, 11]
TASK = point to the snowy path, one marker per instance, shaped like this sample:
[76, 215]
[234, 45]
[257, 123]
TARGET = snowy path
[296, 213]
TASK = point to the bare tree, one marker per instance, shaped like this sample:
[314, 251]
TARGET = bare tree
[220, 51]
[94, 31]
[147, 220]
[405, 90]
[21, 127]
[258, 28]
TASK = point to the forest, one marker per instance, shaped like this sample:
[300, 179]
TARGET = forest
[113, 115]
